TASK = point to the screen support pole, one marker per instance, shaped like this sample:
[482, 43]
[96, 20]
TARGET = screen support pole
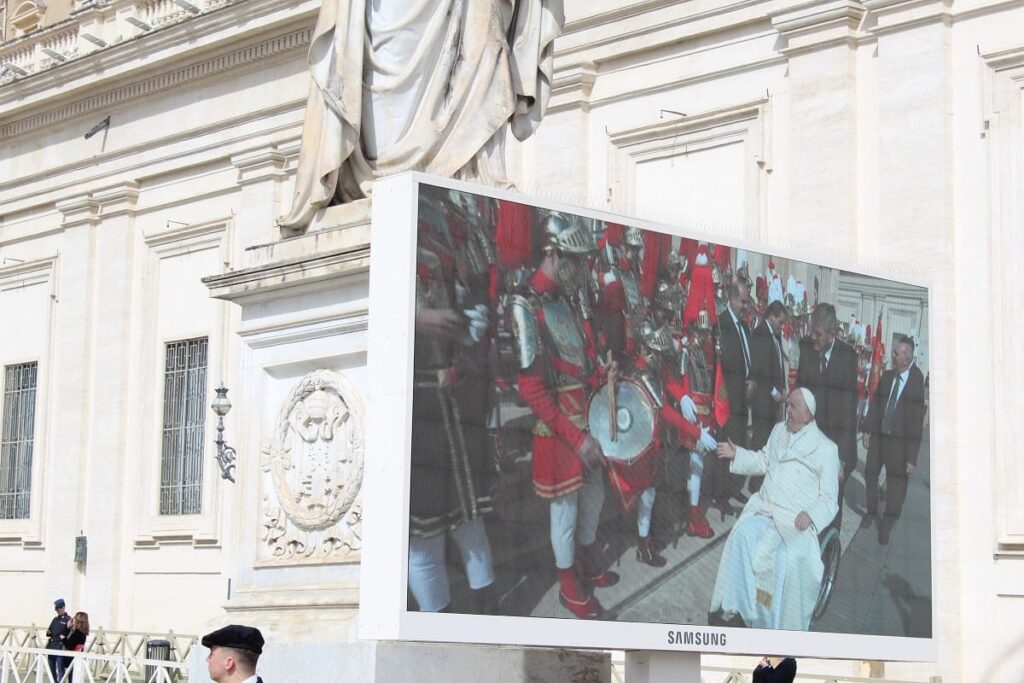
[662, 667]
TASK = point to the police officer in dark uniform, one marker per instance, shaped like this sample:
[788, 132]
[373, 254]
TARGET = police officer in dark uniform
[55, 636]
[234, 652]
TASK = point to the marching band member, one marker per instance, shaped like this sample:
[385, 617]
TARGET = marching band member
[557, 372]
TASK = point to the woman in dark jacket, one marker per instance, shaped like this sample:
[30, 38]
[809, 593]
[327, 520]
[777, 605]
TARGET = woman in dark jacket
[75, 641]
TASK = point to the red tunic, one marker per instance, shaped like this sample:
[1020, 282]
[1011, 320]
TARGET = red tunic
[560, 411]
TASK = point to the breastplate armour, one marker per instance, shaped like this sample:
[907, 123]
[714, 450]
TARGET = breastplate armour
[563, 333]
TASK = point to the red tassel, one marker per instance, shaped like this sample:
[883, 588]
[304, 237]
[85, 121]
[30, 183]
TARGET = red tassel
[513, 236]
[701, 296]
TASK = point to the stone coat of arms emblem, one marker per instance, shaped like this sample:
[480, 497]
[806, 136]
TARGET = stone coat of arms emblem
[313, 471]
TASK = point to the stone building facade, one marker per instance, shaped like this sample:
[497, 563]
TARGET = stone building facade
[147, 146]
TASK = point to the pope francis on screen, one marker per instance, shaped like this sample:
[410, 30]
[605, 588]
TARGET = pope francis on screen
[771, 568]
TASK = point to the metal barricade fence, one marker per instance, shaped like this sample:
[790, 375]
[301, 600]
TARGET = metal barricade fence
[30, 664]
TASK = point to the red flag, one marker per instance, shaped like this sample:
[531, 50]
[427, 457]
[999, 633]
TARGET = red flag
[877, 358]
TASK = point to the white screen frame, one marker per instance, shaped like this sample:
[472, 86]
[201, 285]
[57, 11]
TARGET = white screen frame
[384, 576]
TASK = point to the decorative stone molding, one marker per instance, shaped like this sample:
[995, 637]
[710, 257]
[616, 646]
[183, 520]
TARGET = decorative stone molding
[816, 25]
[174, 77]
[259, 165]
[37, 273]
[742, 123]
[80, 210]
[886, 16]
[184, 240]
[572, 87]
[1004, 132]
[313, 473]
[117, 200]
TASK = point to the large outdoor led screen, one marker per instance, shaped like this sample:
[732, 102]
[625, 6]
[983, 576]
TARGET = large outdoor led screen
[617, 434]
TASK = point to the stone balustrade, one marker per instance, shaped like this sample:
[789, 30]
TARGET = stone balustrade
[94, 25]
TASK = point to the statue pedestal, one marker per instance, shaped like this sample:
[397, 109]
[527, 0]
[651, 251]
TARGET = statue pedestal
[296, 533]
[662, 667]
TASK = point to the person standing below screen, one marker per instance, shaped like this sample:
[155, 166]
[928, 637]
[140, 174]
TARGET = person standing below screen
[892, 435]
[828, 367]
[736, 360]
[783, 672]
[769, 372]
[234, 652]
[771, 569]
[558, 371]
[56, 635]
[452, 472]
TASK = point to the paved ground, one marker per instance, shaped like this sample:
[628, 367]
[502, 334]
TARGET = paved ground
[876, 590]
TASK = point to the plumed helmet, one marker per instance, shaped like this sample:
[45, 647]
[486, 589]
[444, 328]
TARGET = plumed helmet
[568, 234]
[633, 237]
[669, 296]
[654, 337]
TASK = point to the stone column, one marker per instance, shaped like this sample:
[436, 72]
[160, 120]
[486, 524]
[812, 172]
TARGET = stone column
[109, 398]
[818, 173]
[260, 176]
[73, 319]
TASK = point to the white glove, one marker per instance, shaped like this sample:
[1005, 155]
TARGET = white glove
[688, 409]
[609, 278]
[706, 442]
[478, 323]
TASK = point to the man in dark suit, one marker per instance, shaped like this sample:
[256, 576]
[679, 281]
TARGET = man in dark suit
[828, 367]
[735, 358]
[892, 435]
[769, 373]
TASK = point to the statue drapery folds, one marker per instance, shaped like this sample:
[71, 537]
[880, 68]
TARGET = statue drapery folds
[427, 85]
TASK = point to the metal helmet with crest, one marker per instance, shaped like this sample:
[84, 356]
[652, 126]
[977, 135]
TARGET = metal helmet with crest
[568, 234]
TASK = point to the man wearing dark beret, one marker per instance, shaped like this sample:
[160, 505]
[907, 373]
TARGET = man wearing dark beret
[234, 651]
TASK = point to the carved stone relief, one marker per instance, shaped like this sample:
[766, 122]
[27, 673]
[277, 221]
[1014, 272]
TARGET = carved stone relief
[312, 473]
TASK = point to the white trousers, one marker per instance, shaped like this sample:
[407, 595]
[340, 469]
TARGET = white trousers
[696, 472]
[643, 512]
[576, 512]
[428, 577]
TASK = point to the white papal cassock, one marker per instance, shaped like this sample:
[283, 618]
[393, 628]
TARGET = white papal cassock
[770, 571]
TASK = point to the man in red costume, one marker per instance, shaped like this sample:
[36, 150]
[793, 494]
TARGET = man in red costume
[557, 372]
[658, 369]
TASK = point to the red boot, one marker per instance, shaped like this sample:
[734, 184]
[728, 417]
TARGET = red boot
[591, 567]
[584, 606]
[698, 524]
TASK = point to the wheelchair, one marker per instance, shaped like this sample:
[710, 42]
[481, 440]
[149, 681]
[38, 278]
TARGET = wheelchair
[831, 551]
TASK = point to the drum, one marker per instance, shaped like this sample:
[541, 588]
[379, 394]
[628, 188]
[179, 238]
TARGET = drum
[636, 420]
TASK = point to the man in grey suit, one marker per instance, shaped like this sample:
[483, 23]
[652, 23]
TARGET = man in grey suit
[892, 435]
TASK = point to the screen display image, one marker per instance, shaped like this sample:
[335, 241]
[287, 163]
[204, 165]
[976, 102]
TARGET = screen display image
[618, 424]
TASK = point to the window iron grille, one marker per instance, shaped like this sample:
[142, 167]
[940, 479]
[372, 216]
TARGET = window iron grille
[17, 440]
[181, 463]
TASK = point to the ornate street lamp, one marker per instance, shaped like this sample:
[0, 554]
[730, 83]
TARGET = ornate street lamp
[225, 453]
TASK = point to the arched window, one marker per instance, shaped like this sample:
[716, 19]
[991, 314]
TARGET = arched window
[27, 16]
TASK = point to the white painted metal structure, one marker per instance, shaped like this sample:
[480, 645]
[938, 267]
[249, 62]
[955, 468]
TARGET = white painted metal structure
[384, 614]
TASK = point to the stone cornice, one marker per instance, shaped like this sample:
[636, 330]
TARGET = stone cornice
[816, 25]
[79, 210]
[897, 15]
[259, 165]
[228, 38]
[18, 275]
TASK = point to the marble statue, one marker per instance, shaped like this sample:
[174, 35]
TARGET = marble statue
[428, 85]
